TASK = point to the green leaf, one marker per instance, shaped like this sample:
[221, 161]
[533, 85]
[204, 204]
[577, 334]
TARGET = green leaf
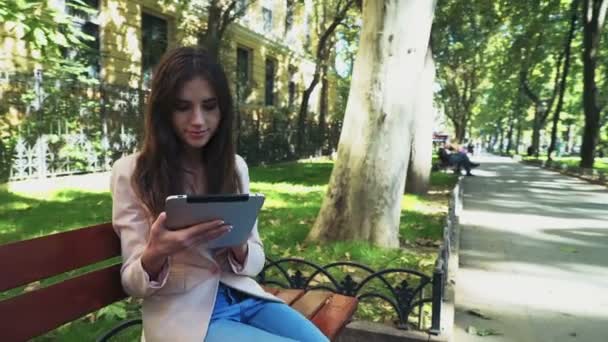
[40, 37]
[60, 39]
[116, 310]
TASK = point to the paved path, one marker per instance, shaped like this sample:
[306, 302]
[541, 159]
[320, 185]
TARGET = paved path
[533, 256]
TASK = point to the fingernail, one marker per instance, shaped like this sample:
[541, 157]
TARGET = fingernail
[229, 228]
[220, 222]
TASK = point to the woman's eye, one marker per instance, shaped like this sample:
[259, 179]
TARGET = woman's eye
[210, 106]
[182, 108]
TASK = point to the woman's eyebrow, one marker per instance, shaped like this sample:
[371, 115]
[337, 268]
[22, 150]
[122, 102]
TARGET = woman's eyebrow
[207, 100]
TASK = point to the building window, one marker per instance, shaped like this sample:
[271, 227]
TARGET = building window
[87, 22]
[243, 60]
[154, 44]
[270, 75]
[289, 13]
[267, 17]
[291, 87]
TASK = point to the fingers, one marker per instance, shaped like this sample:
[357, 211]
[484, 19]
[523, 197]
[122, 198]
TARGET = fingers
[213, 234]
[201, 228]
[203, 231]
[160, 220]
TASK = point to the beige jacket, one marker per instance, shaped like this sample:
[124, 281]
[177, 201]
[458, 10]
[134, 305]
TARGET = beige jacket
[178, 307]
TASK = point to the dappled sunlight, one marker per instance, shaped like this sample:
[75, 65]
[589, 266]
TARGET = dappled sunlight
[538, 241]
[46, 188]
[286, 187]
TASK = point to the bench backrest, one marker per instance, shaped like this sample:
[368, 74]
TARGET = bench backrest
[36, 312]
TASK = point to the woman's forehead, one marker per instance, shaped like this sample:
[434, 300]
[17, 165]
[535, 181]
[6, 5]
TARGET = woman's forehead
[197, 88]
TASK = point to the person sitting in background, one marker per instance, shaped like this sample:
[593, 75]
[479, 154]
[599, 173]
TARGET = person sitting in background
[460, 160]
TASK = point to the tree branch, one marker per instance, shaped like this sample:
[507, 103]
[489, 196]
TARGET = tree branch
[556, 85]
[338, 18]
[523, 79]
[230, 14]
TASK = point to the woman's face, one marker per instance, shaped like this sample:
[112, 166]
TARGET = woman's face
[196, 115]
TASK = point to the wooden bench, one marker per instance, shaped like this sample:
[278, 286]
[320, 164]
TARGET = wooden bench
[39, 311]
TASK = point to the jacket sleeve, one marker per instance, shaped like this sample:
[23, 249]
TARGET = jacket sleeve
[255, 258]
[131, 222]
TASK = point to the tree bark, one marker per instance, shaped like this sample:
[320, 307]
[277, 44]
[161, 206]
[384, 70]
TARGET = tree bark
[594, 13]
[421, 155]
[323, 108]
[536, 127]
[510, 132]
[562, 85]
[363, 200]
[518, 138]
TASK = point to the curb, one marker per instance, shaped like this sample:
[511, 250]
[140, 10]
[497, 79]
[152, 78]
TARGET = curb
[448, 307]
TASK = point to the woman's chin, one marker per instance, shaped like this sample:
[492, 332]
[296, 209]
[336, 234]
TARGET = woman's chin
[197, 143]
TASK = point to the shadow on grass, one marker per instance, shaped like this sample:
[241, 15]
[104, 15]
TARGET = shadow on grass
[309, 174]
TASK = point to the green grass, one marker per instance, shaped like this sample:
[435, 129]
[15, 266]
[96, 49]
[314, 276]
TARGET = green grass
[294, 193]
[601, 164]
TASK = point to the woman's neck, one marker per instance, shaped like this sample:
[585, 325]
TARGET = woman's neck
[192, 159]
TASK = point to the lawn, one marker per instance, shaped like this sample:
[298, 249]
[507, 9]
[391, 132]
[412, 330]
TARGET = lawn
[294, 193]
[601, 164]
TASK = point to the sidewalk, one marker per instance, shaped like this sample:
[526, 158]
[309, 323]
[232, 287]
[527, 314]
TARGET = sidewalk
[533, 256]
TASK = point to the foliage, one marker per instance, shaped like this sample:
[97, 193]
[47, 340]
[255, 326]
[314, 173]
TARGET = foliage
[48, 32]
[483, 52]
[460, 36]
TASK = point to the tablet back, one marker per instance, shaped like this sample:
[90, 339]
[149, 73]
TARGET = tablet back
[239, 211]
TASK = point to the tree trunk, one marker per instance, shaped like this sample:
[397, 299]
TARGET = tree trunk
[568, 138]
[421, 155]
[363, 200]
[518, 138]
[562, 85]
[594, 13]
[210, 39]
[303, 111]
[536, 126]
[460, 129]
[323, 111]
[501, 134]
[510, 133]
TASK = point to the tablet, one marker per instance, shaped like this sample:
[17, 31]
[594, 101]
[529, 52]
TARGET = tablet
[239, 210]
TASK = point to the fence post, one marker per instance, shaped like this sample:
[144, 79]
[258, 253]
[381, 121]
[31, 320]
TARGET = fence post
[437, 296]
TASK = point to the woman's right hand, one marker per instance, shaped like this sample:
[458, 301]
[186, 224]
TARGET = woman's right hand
[163, 242]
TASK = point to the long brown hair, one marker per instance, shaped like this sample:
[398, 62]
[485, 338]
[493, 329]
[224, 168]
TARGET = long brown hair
[159, 172]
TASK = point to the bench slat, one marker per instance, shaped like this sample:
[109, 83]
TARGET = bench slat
[335, 314]
[311, 302]
[289, 295]
[26, 261]
[271, 290]
[40, 311]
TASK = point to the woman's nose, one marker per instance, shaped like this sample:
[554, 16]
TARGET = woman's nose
[198, 117]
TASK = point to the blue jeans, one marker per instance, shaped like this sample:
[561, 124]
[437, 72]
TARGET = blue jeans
[238, 317]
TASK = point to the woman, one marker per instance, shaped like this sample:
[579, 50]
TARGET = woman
[191, 293]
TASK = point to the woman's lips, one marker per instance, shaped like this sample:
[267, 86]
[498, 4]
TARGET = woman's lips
[197, 134]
